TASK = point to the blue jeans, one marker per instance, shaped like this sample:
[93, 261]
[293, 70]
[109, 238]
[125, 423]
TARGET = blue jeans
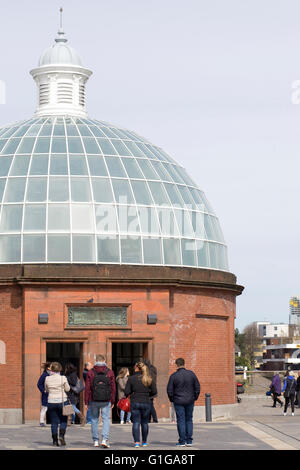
[140, 413]
[88, 415]
[95, 407]
[122, 416]
[76, 411]
[57, 418]
[184, 416]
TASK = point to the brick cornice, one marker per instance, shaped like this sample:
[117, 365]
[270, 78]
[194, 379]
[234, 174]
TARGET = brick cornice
[118, 275]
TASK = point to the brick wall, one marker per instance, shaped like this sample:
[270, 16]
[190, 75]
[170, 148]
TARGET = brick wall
[202, 332]
[11, 376]
[53, 300]
[195, 310]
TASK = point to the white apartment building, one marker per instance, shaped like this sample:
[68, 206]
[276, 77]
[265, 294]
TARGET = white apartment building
[272, 330]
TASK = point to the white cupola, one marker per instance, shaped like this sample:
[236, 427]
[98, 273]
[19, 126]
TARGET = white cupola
[61, 79]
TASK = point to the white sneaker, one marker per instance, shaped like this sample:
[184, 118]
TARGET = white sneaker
[293, 414]
[105, 443]
[96, 443]
[284, 414]
[122, 422]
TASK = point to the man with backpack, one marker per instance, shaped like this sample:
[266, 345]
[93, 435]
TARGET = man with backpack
[100, 394]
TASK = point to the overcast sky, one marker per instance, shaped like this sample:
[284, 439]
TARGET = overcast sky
[209, 81]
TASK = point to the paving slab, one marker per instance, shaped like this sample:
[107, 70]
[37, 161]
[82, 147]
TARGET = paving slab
[256, 426]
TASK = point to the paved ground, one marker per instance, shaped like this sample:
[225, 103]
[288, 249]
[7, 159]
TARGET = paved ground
[257, 426]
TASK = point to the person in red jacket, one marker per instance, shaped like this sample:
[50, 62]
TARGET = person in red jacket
[100, 394]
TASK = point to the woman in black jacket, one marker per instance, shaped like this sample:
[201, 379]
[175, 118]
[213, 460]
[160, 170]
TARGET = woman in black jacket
[71, 374]
[140, 387]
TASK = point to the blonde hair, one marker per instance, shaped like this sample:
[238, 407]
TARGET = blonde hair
[146, 378]
[122, 372]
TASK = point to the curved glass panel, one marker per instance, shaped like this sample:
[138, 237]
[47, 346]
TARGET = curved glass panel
[83, 191]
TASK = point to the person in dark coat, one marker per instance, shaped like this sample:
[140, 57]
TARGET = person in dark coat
[71, 374]
[87, 366]
[44, 395]
[275, 389]
[153, 373]
[140, 388]
[183, 390]
[289, 391]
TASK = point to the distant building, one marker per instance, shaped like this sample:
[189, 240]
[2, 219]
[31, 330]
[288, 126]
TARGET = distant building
[271, 330]
[237, 351]
[267, 331]
[294, 311]
[262, 327]
[282, 355]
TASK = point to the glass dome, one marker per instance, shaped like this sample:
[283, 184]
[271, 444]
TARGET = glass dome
[75, 190]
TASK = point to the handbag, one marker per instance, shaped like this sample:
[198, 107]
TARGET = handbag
[124, 404]
[68, 409]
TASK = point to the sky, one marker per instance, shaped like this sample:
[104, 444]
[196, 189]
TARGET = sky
[209, 81]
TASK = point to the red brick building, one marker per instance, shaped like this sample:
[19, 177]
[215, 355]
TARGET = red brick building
[106, 246]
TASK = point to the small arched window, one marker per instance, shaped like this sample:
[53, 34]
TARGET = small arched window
[2, 352]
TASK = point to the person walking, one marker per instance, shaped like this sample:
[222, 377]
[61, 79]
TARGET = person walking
[275, 389]
[183, 390]
[74, 397]
[121, 380]
[140, 388]
[87, 366]
[44, 395]
[289, 390]
[153, 373]
[100, 394]
[57, 387]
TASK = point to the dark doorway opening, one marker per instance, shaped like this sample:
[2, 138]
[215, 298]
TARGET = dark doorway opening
[126, 355]
[64, 353]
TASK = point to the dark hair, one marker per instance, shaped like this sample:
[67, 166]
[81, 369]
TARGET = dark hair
[179, 362]
[46, 366]
[70, 368]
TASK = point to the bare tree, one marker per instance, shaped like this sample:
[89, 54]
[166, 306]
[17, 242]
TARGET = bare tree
[252, 341]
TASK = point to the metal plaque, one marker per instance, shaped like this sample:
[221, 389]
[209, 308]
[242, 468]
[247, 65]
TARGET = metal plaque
[97, 316]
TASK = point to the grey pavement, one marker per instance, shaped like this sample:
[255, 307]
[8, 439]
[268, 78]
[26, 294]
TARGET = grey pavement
[256, 426]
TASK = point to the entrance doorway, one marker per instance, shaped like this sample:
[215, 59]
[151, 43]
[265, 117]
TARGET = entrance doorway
[126, 355]
[65, 353]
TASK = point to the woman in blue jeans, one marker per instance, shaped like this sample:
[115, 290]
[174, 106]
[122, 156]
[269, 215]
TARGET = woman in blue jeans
[57, 387]
[140, 388]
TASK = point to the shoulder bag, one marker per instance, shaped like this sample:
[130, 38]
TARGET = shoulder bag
[68, 409]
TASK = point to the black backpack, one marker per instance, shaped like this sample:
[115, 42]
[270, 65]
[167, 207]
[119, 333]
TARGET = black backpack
[101, 390]
[290, 388]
